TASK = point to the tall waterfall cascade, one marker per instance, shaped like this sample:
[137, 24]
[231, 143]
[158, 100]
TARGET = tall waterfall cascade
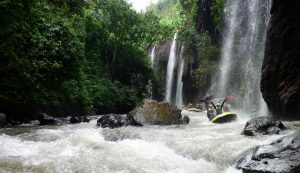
[242, 53]
[170, 70]
[179, 100]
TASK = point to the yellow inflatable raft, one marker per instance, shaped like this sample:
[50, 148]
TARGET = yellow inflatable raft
[224, 117]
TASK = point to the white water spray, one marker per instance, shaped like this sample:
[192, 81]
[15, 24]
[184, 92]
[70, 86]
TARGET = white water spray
[199, 147]
[242, 53]
[170, 70]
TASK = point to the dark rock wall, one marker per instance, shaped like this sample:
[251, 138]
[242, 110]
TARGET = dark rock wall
[190, 91]
[280, 83]
[205, 21]
[162, 52]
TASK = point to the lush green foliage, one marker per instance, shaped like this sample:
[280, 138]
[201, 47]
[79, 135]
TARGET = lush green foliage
[217, 12]
[163, 8]
[170, 13]
[209, 56]
[74, 57]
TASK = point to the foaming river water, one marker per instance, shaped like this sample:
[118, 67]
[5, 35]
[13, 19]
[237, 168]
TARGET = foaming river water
[82, 148]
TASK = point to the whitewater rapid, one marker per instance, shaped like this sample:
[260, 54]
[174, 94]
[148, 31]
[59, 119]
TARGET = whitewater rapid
[199, 147]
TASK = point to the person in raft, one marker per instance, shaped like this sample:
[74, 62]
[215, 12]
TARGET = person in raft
[219, 107]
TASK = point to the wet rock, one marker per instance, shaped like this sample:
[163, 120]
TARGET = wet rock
[282, 155]
[2, 119]
[45, 119]
[115, 121]
[280, 80]
[158, 113]
[186, 119]
[85, 120]
[77, 119]
[130, 121]
[263, 126]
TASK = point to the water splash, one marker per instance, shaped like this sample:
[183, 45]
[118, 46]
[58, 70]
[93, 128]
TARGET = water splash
[242, 53]
[200, 147]
[179, 100]
[170, 70]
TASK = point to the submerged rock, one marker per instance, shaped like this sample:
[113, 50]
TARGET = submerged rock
[78, 119]
[158, 113]
[115, 121]
[282, 155]
[263, 126]
[2, 119]
[75, 120]
[45, 119]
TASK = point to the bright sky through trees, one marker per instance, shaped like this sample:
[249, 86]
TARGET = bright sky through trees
[139, 5]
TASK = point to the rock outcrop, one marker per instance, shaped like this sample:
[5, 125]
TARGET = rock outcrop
[263, 126]
[45, 119]
[282, 155]
[280, 81]
[158, 113]
[116, 121]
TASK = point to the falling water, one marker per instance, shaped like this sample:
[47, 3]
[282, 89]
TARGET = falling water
[242, 53]
[152, 55]
[170, 70]
[152, 58]
[179, 101]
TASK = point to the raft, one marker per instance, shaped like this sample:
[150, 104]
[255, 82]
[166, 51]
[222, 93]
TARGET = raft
[224, 117]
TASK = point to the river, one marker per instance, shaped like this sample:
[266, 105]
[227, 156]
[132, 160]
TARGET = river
[194, 148]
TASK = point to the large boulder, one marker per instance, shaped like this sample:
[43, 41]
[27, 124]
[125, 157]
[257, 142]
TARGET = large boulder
[280, 80]
[158, 113]
[116, 121]
[263, 126]
[2, 119]
[282, 155]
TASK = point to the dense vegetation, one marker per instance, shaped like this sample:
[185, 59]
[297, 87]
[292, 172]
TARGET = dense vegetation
[207, 48]
[74, 57]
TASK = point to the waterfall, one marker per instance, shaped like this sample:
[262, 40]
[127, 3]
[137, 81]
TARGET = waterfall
[242, 53]
[179, 101]
[170, 70]
[152, 58]
[152, 54]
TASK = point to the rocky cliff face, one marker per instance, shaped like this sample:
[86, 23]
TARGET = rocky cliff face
[162, 52]
[205, 22]
[280, 83]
